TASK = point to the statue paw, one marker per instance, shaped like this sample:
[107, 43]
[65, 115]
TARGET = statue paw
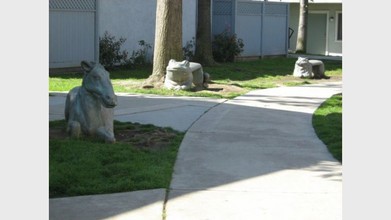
[110, 140]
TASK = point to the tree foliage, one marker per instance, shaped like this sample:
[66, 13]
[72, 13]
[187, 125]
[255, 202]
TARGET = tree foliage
[110, 53]
[226, 46]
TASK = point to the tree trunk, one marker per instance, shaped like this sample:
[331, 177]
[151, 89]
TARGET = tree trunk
[168, 40]
[302, 29]
[203, 51]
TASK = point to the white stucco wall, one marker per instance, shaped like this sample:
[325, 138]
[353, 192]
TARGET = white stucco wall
[135, 21]
[189, 20]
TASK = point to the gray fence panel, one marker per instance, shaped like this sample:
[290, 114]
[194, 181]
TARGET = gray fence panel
[275, 29]
[222, 16]
[263, 26]
[79, 5]
[71, 32]
[274, 35]
[249, 26]
[249, 30]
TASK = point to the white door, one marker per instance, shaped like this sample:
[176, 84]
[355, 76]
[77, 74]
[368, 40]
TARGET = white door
[317, 33]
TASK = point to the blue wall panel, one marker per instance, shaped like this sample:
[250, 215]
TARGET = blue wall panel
[274, 35]
[222, 16]
[263, 26]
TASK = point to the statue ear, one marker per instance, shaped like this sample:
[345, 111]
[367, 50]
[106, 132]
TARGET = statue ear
[87, 66]
[186, 63]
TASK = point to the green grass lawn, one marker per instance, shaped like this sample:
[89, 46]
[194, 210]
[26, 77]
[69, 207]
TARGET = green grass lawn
[144, 156]
[243, 75]
[327, 122]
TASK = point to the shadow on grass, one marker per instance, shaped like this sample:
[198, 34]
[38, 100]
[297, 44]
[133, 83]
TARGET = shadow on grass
[262, 68]
[329, 129]
[327, 122]
[237, 71]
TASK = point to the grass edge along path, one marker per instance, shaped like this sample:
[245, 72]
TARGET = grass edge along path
[327, 122]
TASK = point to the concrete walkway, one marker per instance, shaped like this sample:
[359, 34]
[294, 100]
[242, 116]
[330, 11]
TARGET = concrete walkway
[254, 157]
[258, 157]
[176, 112]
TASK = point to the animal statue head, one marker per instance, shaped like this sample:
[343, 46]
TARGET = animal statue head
[303, 68]
[96, 80]
[178, 75]
[178, 66]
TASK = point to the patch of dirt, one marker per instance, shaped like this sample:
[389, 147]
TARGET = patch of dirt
[57, 133]
[138, 135]
[221, 88]
[232, 88]
[212, 87]
[228, 89]
[157, 138]
[332, 79]
[292, 80]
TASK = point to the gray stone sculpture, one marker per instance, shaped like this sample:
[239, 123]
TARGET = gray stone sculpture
[181, 75]
[305, 68]
[89, 107]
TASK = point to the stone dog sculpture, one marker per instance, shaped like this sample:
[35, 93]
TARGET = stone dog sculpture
[306, 68]
[89, 107]
[181, 75]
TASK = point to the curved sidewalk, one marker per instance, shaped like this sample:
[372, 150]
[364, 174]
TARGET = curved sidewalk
[176, 112]
[258, 157]
[253, 157]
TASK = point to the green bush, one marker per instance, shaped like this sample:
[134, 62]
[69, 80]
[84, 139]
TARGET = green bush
[140, 56]
[226, 46]
[188, 50]
[110, 53]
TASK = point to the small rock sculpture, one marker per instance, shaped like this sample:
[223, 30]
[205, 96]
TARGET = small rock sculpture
[306, 68]
[181, 75]
[89, 107]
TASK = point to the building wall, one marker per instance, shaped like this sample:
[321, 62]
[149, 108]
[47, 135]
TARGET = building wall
[135, 21]
[334, 46]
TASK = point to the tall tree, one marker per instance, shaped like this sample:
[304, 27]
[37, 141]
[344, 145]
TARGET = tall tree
[302, 29]
[203, 51]
[168, 39]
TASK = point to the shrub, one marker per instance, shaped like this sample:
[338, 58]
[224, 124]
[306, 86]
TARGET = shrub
[110, 53]
[226, 46]
[140, 56]
[188, 50]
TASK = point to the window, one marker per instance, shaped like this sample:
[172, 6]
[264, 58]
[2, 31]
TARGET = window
[339, 26]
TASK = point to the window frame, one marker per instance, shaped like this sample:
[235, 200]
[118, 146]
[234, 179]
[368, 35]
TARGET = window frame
[337, 18]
